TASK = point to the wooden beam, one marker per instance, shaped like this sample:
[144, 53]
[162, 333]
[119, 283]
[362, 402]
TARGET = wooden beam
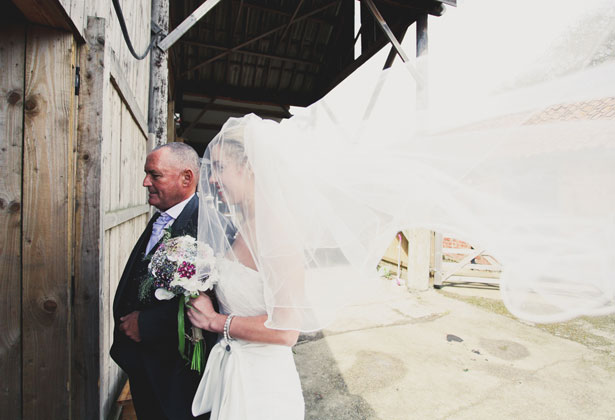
[88, 271]
[435, 260]
[387, 31]
[392, 53]
[239, 10]
[116, 218]
[12, 57]
[432, 7]
[422, 36]
[257, 6]
[252, 40]
[229, 35]
[188, 23]
[248, 95]
[449, 2]
[51, 13]
[465, 261]
[198, 118]
[237, 109]
[419, 252]
[159, 79]
[422, 44]
[292, 19]
[253, 53]
[123, 88]
[47, 222]
[204, 126]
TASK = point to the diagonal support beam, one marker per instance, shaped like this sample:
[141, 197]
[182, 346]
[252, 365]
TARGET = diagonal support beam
[462, 264]
[389, 33]
[188, 23]
[292, 20]
[392, 53]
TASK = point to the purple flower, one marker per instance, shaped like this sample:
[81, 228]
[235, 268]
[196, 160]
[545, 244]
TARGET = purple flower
[186, 270]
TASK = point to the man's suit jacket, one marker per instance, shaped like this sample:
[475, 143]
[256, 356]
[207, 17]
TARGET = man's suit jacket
[156, 358]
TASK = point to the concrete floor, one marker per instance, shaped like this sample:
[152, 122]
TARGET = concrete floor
[455, 353]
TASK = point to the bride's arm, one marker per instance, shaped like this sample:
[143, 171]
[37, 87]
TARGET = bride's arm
[250, 328]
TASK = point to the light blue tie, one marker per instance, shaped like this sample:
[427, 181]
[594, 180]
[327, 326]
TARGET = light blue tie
[157, 229]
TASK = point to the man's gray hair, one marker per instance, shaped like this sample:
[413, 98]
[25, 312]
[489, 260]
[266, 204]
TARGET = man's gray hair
[184, 155]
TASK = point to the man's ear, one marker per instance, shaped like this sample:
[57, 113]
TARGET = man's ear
[187, 177]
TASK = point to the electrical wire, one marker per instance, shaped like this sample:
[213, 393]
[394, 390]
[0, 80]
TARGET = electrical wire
[120, 18]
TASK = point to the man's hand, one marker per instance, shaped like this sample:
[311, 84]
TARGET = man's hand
[130, 326]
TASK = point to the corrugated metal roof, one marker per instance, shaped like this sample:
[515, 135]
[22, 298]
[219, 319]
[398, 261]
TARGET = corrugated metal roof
[276, 52]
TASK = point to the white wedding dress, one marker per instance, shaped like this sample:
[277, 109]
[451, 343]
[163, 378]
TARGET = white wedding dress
[249, 381]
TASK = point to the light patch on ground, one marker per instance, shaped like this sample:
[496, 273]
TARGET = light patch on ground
[597, 333]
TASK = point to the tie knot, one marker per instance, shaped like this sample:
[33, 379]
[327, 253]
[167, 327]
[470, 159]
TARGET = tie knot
[163, 219]
[157, 228]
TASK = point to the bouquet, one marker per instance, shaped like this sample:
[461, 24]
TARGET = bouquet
[183, 266]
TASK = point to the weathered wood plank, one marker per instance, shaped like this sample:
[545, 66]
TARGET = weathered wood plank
[116, 218]
[88, 233]
[436, 258]
[54, 13]
[188, 23]
[113, 176]
[77, 12]
[106, 331]
[12, 57]
[171, 136]
[108, 378]
[419, 250]
[46, 243]
[159, 68]
[137, 156]
[125, 164]
[50, 13]
[126, 93]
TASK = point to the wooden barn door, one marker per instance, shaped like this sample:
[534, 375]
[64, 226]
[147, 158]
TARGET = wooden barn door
[37, 166]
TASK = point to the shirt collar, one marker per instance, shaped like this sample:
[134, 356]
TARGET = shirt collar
[176, 210]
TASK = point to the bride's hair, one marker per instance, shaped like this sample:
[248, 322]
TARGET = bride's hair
[231, 141]
[232, 148]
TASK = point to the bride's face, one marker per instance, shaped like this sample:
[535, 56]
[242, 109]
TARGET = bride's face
[232, 179]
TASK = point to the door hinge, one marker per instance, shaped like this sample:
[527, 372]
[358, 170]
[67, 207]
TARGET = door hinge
[77, 81]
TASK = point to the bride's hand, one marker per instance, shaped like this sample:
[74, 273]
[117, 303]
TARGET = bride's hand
[202, 313]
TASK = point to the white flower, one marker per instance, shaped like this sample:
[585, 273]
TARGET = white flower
[163, 294]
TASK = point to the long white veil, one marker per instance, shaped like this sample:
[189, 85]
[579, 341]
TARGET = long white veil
[527, 172]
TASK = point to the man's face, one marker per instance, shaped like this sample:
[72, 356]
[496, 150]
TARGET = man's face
[164, 180]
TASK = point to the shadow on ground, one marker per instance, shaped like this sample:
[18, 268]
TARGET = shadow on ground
[324, 389]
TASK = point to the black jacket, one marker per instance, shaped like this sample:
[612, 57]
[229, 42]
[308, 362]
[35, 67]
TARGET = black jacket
[156, 358]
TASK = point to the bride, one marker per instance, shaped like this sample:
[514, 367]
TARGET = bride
[525, 172]
[250, 373]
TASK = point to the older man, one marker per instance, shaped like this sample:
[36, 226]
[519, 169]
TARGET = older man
[145, 341]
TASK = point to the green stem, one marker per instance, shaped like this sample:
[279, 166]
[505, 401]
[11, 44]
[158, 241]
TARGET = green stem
[197, 357]
[181, 335]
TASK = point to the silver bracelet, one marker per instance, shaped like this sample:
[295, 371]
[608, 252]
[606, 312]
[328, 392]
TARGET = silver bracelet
[227, 328]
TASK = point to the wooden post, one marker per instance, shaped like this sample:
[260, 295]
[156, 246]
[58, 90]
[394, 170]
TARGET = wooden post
[159, 78]
[86, 375]
[422, 66]
[436, 263]
[12, 57]
[47, 222]
[171, 136]
[419, 250]
[420, 240]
